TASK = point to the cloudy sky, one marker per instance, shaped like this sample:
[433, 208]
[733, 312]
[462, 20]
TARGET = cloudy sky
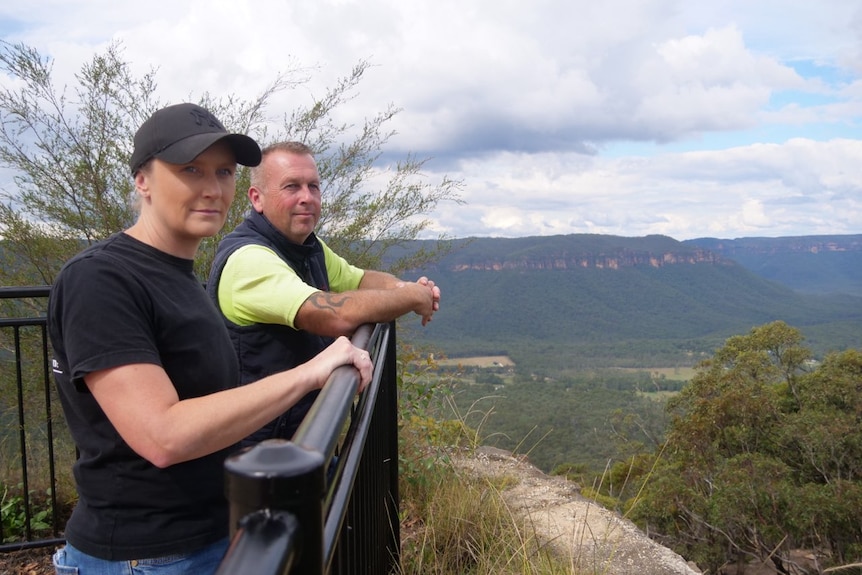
[688, 118]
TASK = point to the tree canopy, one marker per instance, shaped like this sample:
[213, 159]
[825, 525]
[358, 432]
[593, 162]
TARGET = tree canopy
[68, 148]
[763, 456]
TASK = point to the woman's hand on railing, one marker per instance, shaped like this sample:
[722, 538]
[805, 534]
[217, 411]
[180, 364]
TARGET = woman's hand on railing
[342, 352]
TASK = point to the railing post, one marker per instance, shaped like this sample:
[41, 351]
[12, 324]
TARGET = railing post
[269, 533]
[277, 475]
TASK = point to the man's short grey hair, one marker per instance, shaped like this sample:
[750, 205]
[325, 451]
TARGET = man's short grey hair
[290, 147]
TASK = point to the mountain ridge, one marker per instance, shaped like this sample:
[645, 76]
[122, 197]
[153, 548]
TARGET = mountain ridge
[625, 299]
[612, 251]
[809, 264]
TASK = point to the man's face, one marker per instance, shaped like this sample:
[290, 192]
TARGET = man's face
[289, 196]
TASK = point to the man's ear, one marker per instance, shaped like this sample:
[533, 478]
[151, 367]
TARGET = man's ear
[255, 196]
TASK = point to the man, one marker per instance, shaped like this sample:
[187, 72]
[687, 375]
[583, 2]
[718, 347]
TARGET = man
[283, 293]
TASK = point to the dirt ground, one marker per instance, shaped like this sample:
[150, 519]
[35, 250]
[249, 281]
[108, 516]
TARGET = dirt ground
[27, 562]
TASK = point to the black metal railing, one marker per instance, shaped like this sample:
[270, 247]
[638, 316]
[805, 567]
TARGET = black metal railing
[326, 502]
[27, 416]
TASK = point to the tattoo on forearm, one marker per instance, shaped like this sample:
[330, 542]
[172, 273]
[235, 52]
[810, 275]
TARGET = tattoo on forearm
[328, 301]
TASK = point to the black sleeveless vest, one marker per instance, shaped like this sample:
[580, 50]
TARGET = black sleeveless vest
[264, 349]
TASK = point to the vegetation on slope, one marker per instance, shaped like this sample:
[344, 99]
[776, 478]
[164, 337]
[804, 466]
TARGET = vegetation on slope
[763, 456]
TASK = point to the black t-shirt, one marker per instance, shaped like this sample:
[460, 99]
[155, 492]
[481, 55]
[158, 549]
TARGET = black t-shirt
[121, 302]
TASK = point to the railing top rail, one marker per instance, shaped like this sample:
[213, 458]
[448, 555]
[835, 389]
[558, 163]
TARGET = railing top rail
[10, 292]
[318, 432]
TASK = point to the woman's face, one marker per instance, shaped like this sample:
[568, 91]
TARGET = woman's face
[188, 202]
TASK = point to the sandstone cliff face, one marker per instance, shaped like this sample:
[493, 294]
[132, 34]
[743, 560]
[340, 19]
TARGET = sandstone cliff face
[575, 251]
[564, 261]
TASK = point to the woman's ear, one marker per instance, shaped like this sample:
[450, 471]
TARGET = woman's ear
[142, 184]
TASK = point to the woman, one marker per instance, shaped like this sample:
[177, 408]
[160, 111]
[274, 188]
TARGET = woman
[146, 370]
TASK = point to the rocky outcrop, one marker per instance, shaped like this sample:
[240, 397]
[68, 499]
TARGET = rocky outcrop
[588, 536]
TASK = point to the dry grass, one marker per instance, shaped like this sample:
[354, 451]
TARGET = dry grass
[467, 528]
[454, 523]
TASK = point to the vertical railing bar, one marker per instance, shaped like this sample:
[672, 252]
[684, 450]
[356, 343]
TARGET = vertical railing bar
[49, 423]
[22, 436]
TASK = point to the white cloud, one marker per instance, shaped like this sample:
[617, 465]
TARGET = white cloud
[800, 187]
[522, 100]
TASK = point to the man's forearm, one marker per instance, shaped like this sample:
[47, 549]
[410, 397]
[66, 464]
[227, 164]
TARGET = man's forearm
[373, 279]
[332, 314]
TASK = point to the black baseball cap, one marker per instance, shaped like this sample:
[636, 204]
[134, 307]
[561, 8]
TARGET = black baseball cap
[178, 134]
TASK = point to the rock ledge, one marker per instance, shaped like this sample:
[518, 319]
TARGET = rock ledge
[591, 537]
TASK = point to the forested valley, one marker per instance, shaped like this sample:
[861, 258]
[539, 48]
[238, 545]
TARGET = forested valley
[594, 346]
[717, 408]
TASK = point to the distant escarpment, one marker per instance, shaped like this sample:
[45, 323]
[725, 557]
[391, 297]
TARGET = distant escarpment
[783, 245]
[575, 251]
[807, 264]
[565, 261]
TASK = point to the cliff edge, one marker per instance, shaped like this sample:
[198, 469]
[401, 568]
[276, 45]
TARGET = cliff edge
[592, 538]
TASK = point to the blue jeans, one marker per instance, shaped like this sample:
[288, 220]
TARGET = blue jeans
[71, 561]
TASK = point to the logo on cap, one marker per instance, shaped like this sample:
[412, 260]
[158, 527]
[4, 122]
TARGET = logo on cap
[202, 116]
